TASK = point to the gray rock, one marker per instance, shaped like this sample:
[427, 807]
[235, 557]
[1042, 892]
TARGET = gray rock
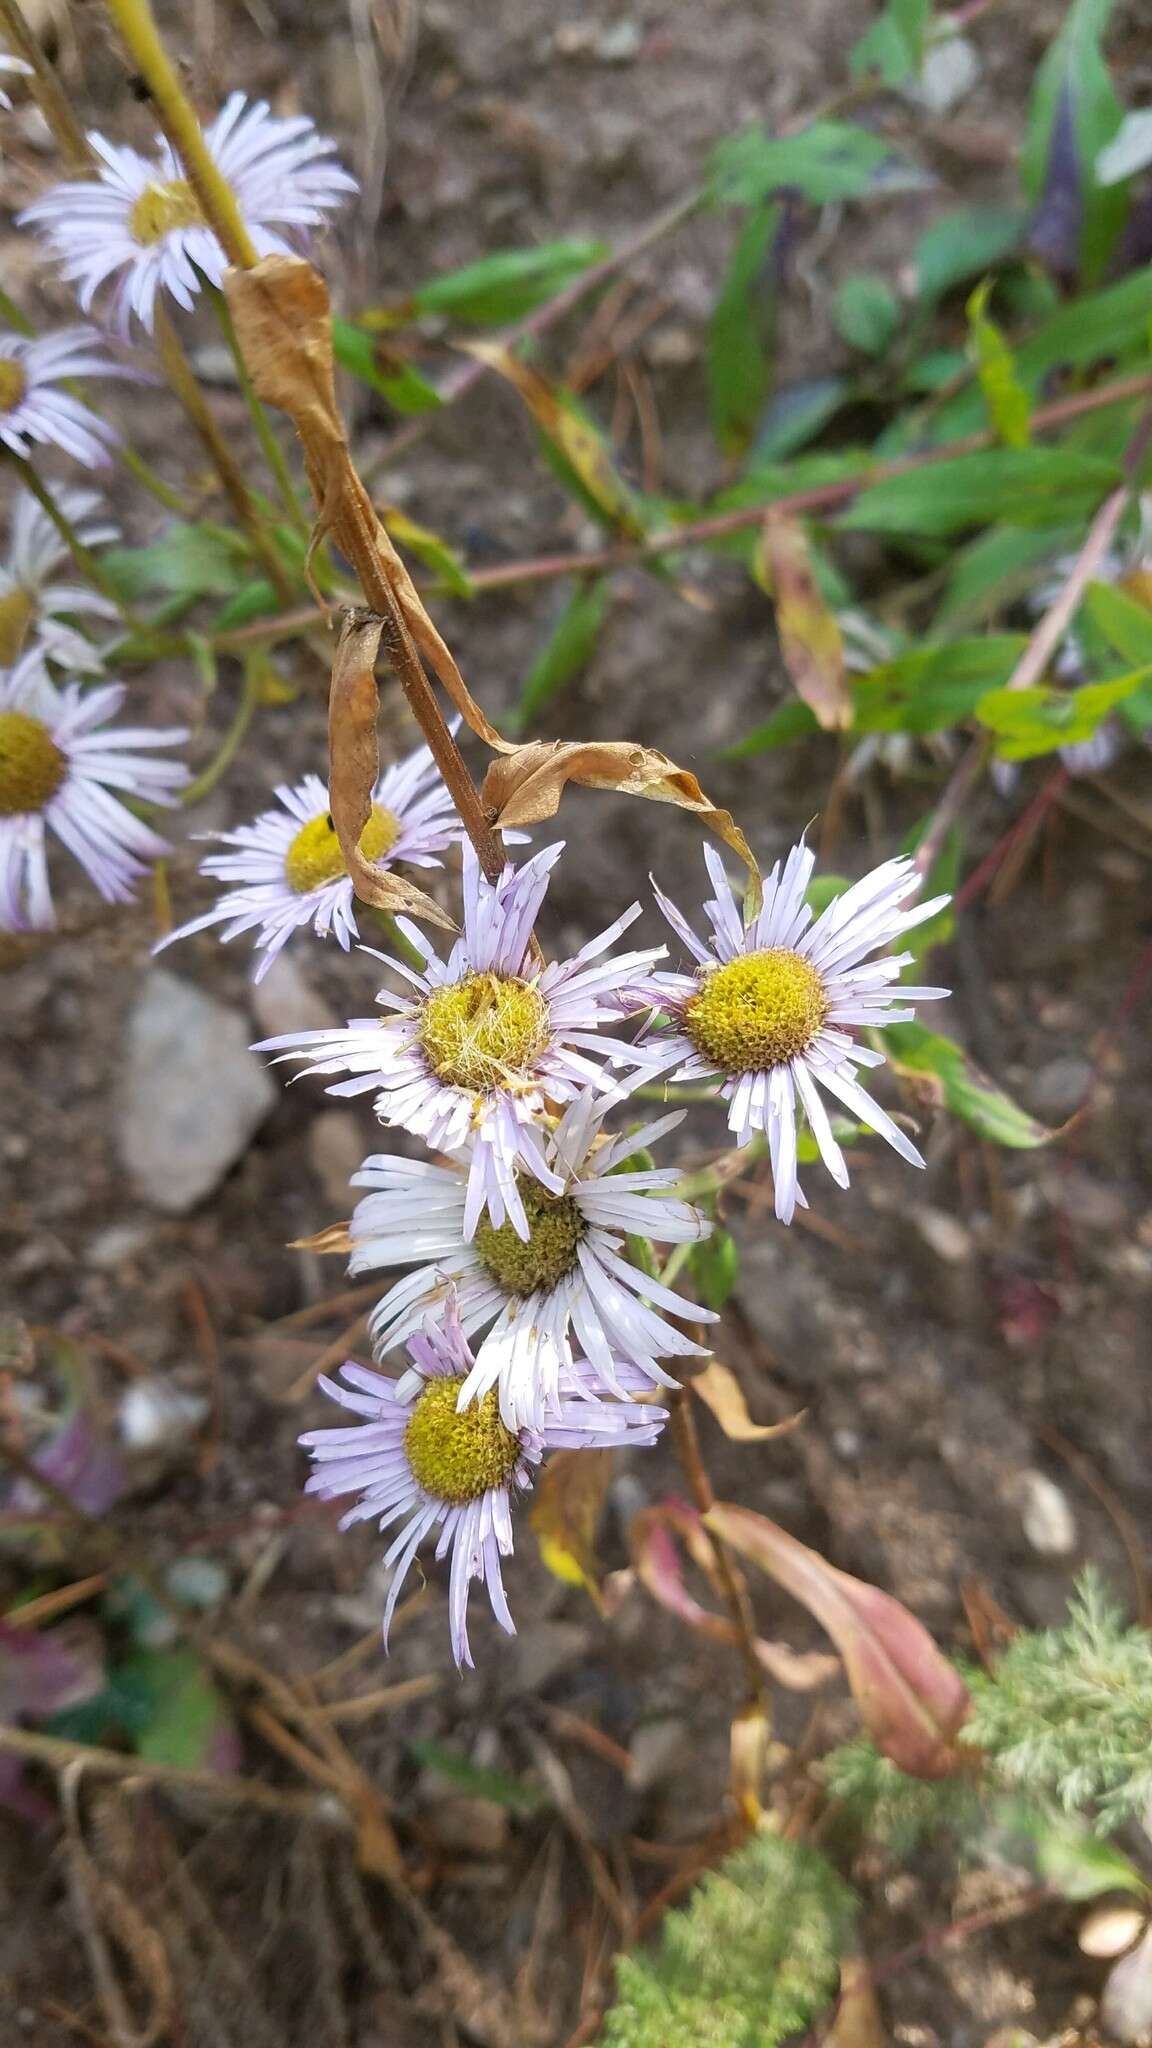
[192, 1094]
[1046, 1516]
[285, 1000]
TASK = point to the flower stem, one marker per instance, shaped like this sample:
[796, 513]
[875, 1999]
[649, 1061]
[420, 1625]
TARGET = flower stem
[273, 453]
[177, 117]
[10, 312]
[230, 745]
[50, 96]
[686, 1444]
[83, 557]
[146, 475]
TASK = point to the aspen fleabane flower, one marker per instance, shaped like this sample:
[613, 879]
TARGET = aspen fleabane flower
[571, 1281]
[141, 217]
[34, 406]
[489, 1038]
[57, 768]
[419, 1459]
[33, 606]
[287, 870]
[771, 1009]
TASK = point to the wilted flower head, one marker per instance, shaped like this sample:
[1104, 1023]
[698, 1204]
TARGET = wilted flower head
[34, 405]
[572, 1282]
[140, 216]
[57, 769]
[287, 869]
[32, 605]
[488, 1039]
[771, 1008]
[418, 1459]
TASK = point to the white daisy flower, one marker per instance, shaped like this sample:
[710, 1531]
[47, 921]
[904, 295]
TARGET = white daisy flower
[418, 1459]
[140, 216]
[489, 1038]
[35, 407]
[57, 767]
[287, 870]
[30, 602]
[771, 1008]
[573, 1278]
[14, 66]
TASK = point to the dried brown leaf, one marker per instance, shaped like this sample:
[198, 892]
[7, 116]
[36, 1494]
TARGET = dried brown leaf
[354, 768]
[858, 2022]
[333, 1241]
[749, 1748]
[525, 787]
[810, 638]
[721, 1392]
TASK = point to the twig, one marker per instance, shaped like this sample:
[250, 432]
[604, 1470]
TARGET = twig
[57, 1755]
[731, 1582]
[950, 805]
[50, 95]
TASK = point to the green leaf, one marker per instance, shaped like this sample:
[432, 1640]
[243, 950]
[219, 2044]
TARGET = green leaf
[740, 334]
[823, 890]
[934, 687]
[430, 548]
[1125, 624]
[996, 569]
[796, 414]
[714, 1265]
[180, 1716]
[1078, 1864]
[1074, 108]
[894, 45]
[254, 600]
[867, 313]
[1038, 721]
[1004, 395]
[963, 1088]
[567, 650]
[365, 357]
[476, 1779]
[830, 160]
[1013, 485]
[190, 560]
[508, 283]
[789, 722]
[964, 245]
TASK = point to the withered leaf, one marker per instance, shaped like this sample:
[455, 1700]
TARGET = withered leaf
[574, 438]
[810, 638]
[720, 1390]
[354, 768]
[525, 786]
[566, 1515]
[333, 1241]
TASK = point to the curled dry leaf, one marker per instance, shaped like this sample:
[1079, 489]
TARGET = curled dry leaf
[910, 1698]
[721, 1392]
[526, 785]
[334, 1241]
[354, 768]
[810, 639]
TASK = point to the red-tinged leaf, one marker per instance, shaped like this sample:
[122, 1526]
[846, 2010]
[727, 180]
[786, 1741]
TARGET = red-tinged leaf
[911, 1699]
[809, 635]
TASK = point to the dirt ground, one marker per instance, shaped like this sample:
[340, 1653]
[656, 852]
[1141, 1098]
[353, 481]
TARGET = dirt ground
[971, 1347]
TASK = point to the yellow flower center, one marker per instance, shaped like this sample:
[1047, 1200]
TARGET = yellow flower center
[457, 1457]
[483, 1031]
[161, 209]
[555, 1226]
[757, 1012]
[314, 856]
[13, 384]
[32, 766]
[17, 610]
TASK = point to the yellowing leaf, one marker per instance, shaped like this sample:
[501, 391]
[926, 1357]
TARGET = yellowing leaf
[721, 1393]
[566, 1515]
[809, 634]
[1004, 394]
[573, 437]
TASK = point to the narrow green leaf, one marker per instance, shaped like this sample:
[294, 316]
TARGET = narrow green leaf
[1028, 723]
[894, 44]
[789, 722]
[714, 1265]
[1125, 624]
[182, 1718]
[964, 245]
[476, 1779]
[867, 313]
[1079, 1864]
[1014, 485]
[1074, 113]
[934, 687]
[190, 560]
[508, 283]
[1004, 395]
[568, 650]
[740, 334]
[364, 356]
[254, 600]
[795, 415]
[962, 1088]
[1000, 566]
[430, 548]
[830, 160]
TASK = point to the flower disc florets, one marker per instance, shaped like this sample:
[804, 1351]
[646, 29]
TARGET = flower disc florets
[457, 1456]
[314, 857]
[13, 384]
[481, 1032]
[757, 1011]
[555, 1227]
[161, 209]
[32, 766]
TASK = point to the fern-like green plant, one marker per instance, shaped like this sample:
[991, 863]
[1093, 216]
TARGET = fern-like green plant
[753, 1958]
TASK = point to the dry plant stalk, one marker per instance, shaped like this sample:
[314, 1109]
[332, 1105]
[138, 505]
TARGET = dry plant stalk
[281, 313]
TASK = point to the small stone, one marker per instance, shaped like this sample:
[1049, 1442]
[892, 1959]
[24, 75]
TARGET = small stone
[944, 1234]
[469, 1827]
[656, 1751]
[337, 1146]
[620, 43]
[538, 1656]
[214, 363]
[1060, 1087]
[192, 1094]
[950, 69]
[285, 1000]
[157, 1416]
[1045, 1515]
[117, 1245]
[200, 1582]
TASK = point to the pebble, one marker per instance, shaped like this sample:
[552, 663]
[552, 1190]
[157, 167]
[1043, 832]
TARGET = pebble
[950, 69]
[192, 1094]
[115, 1246]
[1046, 1516]
[1126, 2006]
[155, 1415]
[1060, 1087]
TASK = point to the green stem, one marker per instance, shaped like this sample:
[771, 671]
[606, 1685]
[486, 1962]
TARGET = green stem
[401, 946]
[10, 312]
[233, 739]
[145, 475]
[273, 453]
[83, 557]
